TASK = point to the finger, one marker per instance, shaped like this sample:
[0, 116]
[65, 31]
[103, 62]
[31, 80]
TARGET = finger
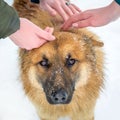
[62, 13]
[50, 10]
[42, 33]
[73, 19]
[67, 10]
[74, 11]
[49, 30]
[69, 22]
[83, 23]
[77, 8]
[45, 35]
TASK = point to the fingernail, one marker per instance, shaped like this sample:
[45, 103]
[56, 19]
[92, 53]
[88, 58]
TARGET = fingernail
[74, 25]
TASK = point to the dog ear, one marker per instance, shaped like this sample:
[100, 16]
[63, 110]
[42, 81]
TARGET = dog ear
[23, 51]
[94, 40]
[87, 36]
[97, 43]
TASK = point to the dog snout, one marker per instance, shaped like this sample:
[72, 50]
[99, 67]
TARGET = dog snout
[59, 97]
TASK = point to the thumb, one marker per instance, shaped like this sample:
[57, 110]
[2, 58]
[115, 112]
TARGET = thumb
[49, 30]
[45, 34]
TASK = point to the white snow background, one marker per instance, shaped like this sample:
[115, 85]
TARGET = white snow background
[14, 105]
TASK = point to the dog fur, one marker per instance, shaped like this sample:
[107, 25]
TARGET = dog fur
[73, 62]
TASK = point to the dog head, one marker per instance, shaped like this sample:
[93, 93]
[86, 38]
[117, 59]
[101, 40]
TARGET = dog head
[57, 68]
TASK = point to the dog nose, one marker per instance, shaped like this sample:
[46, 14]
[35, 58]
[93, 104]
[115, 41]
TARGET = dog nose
[59, 97]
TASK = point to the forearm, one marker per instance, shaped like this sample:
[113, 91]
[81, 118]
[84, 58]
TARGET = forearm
[114, 9]
[9, 20]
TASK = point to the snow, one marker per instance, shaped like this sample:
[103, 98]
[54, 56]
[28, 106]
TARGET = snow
[14, 105]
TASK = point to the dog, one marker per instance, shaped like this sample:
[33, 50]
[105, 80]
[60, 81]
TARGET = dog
[64, 77]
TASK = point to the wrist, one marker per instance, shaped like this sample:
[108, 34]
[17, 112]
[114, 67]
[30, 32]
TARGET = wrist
[114, 8]
[117, 1]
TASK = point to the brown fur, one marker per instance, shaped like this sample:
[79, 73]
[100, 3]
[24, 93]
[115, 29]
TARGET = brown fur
[86, 75]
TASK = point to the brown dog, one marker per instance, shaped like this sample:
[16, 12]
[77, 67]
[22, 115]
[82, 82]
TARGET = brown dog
[63, 77]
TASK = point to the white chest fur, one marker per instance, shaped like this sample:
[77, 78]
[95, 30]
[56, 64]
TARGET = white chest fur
[64, 118]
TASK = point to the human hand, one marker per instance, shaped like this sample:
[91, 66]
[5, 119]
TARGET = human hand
[30, 36]
[95, 17]
[62, 7]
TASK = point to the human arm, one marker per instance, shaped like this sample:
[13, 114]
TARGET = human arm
[22, 32]
[30, 36]
[9, 20]
[95, 17]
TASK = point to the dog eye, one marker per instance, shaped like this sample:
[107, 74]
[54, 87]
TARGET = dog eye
[45, 63]
[70, 61]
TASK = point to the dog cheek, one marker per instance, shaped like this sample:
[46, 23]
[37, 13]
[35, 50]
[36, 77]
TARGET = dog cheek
[83, 76]
[33, 78]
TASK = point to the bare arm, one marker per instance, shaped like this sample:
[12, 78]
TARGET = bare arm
[95, 17]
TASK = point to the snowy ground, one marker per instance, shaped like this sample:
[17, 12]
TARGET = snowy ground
[15, 106]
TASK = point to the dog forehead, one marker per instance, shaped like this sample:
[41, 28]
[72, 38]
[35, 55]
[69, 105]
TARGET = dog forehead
[65, 44]
[66, 36]
[68, 41]
[64, 40]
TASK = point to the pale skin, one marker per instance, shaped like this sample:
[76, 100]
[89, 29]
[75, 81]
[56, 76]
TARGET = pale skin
[72, 17]
[94, 17]
[55, 7]
[29, 36]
